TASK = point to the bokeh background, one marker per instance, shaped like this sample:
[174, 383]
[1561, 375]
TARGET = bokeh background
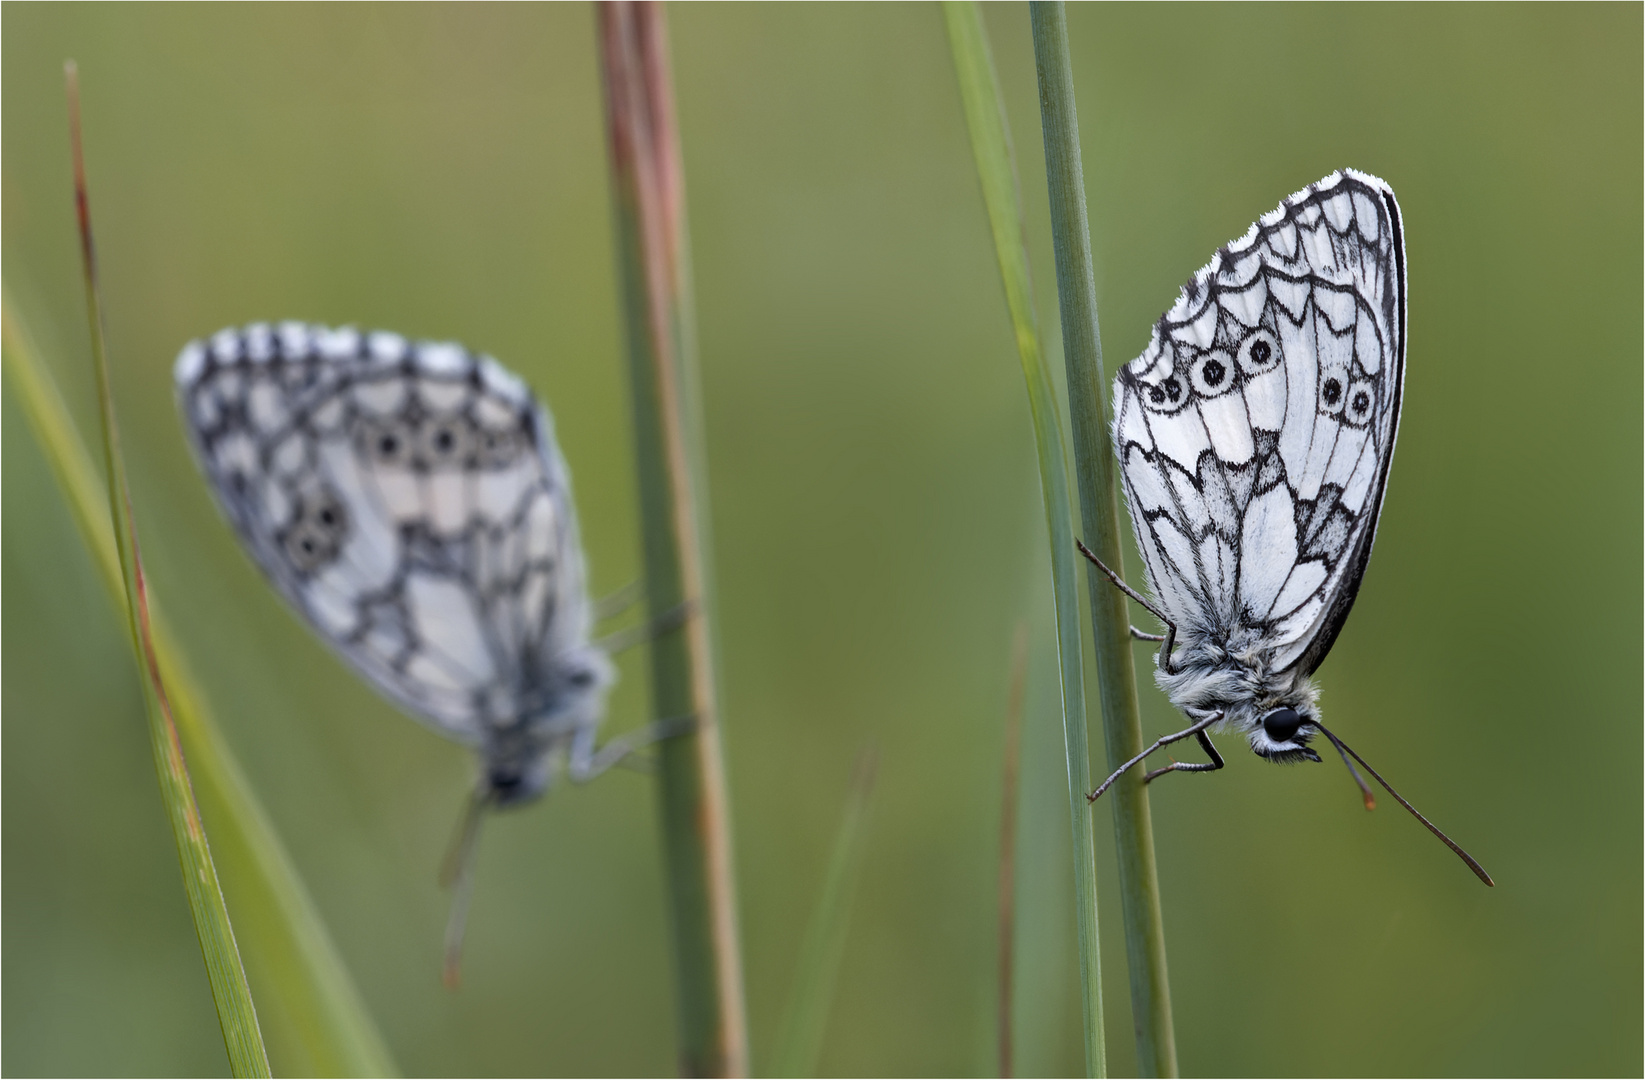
[440, 170]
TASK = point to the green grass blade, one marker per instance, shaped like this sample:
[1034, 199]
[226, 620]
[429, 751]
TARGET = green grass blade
[235, 1011]
[1010, 797]
[317, 1022]
[991, 145]
[1099, 519]
[653, 254]
[314, 1017]
[800, 1038]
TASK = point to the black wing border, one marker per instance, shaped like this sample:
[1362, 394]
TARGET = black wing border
[1343, 602]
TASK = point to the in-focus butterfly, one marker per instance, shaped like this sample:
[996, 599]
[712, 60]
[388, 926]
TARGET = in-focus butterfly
[1254, 436]
[410, 502]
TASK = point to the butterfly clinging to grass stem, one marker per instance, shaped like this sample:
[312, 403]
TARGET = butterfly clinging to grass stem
[409, 500]
[1254, 438]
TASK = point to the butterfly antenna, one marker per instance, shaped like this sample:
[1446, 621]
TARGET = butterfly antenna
[1364, 788]
[1347, 751]
[457, 874]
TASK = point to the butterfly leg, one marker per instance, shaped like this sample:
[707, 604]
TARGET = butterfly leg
[1162, 741]
[1213, 765]
[1168, 640]
[614, 604]
[621, 640]
[586, 762]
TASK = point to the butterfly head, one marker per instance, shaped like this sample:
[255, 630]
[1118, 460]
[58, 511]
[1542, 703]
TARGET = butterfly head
[520, 756]
[1282, 734]
[516, 781]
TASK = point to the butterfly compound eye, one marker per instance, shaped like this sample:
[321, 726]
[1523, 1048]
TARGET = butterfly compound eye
[1282, 725]
[511, 784]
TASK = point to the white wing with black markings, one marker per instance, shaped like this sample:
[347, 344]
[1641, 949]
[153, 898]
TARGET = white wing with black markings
[408, 500]
[1255, 432]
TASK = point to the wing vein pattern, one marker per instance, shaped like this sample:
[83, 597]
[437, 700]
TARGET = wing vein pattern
[408, 499]
[1255, 432]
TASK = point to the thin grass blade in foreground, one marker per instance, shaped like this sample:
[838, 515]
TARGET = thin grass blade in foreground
[312, 1015]
[800, 1038]
[1012, 769]
[1099, 517]
[649, 204]
[991, 144]
[235, 1011]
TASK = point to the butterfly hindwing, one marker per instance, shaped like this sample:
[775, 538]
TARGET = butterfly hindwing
[407, 499]
[1255, 432]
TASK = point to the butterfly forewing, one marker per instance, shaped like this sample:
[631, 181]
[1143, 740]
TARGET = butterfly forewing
[1255, 432]
[407, 499]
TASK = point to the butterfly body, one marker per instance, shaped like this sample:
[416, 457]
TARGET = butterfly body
[1254, 437]
[410, 502]
[1238, 679]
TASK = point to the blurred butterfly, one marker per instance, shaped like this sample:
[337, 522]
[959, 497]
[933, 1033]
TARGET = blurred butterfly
[410, 502]
[1254, 437]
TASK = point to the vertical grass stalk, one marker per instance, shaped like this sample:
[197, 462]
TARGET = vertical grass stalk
[800, 1038]
[312, 1014]
[235, 1012]
[649, 206]
[1011, 770]
[1099, 518]
[991, 145]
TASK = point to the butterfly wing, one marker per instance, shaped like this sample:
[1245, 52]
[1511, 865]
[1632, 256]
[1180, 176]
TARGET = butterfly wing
[407, 499]
[1256, 430]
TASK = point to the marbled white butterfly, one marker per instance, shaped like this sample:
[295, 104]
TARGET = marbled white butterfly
[410, 502]
[1254, 436]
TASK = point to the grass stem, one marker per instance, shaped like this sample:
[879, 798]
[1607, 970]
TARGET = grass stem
[800, 1037]
[991, 145]
[653, 253]
[1099, 518]
[1011, 769]
[311, 1013]
[236, 1013]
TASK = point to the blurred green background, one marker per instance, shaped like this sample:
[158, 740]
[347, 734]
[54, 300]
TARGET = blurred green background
[440, 170]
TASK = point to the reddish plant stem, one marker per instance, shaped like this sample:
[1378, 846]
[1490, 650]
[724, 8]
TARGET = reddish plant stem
[649, 204]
